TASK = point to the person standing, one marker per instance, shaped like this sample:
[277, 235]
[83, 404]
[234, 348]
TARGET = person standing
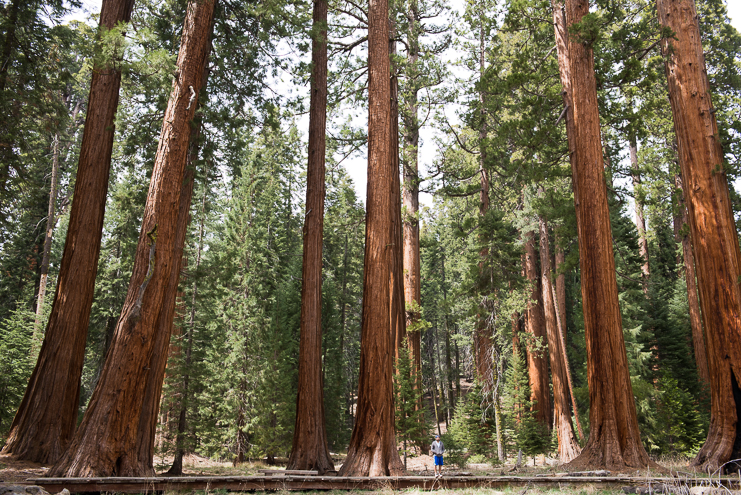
[438, 448]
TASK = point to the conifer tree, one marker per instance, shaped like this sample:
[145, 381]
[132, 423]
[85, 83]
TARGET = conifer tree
[56, 378]
[614, 441]
[714, 237]
[105, 442]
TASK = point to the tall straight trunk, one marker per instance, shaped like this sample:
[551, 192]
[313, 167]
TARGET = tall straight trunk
[688, 258]
[46, 419]
[635, 175]
[410, 198]
[177, 463]
[482, 335]
[568, 448]
[397, 306]
[106, 441]
[614, 441]
[537, 361]
[372, 450]
[559, 296]
[561, 289]
[50, 221]
[165, 321]
[448, 361]
[714, 238]
[310, 448]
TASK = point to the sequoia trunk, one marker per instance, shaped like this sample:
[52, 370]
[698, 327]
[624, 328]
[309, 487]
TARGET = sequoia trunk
[614, 441]
[46, 418]
[688, 258]
[310, 449]
[410, 196]
[714, 238]
[537, 361]
[568, 448]
[372, 450]
[106, 441]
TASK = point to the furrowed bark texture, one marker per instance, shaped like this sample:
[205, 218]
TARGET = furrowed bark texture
[561, 288]
[688, 258]
[614, 441]
[310, 449]
[396, 280]
[714, 239]
[537, 360]
[372, 450]
[165, 322]
[46, 418]
[410, 195]
[106, 441]
[568, 447]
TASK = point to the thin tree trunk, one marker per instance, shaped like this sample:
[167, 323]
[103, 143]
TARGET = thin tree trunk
[568, 447]
[397, 306]
[614, 441]
[482, 335]
[410, 198]
[635, 174]
[714, 238]
[561, 290]
[537, 361]
[50, 222]
[310, 449]
[562, 343]
[372, 450]
[106, 441]
[688, 258]
[46, 419]
[177, 463]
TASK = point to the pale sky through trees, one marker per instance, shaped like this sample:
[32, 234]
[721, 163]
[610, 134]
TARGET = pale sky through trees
[357, 164]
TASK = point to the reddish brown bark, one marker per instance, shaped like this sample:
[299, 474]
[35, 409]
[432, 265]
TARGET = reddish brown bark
[614, 441]
[559, 295]
[165, 323]
[397, 305]
[688, 258]
[714, 238]
[310, 449]
[46, 419]
[537, 360]
[106, 441]
[568, 448]
[372, 450]
[561, 290]
[410, 190]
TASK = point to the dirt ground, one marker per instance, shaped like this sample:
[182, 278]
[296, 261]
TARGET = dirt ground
[14, 471]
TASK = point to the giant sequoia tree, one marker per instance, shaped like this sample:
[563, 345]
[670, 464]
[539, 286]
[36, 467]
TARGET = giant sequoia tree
[46, 419]
[310, 449]
[714, 238]
[372, 450]
[105, 443]
[614, 441]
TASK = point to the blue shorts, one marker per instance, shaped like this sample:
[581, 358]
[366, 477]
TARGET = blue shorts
[438, 460]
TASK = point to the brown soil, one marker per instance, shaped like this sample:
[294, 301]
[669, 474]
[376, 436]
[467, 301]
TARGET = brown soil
[13, 471]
